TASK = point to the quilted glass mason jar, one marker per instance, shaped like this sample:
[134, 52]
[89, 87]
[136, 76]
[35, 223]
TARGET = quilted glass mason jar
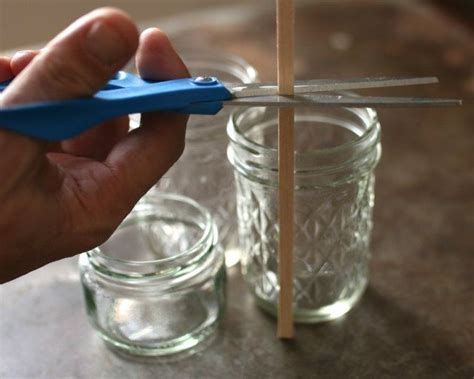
[336, 151]
[157, 286]
[203, 172]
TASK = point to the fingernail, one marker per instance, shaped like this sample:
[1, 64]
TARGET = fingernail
[105, 43]
[22, 53]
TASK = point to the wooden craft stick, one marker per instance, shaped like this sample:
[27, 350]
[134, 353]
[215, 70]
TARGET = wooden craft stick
[285, 53]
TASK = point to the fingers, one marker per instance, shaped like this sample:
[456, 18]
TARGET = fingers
[11, 67]
[21, 59]
[79, 61]
[18, 152]
[149, 151]
[96, 143]
[5, 69]
[156, 58]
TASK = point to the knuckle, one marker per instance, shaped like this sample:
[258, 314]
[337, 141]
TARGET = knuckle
[68, 77]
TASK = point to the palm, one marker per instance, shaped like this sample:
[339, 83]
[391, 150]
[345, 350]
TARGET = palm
[63, 194]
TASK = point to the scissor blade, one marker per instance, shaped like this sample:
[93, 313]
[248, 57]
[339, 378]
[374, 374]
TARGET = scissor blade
[325, 85]
[341, 101]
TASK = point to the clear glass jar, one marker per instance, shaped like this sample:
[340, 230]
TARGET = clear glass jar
[336, 151]
[203, 172]
[157, 286]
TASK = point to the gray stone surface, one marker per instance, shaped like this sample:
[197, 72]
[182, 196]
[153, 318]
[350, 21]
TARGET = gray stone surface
[45, 334]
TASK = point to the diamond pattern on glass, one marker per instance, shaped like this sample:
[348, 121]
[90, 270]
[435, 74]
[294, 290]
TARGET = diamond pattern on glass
[332, 233]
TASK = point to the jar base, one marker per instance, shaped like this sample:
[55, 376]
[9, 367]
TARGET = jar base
[167, 348]
[312, 316]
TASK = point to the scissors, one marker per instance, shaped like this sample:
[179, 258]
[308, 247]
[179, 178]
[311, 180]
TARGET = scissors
[126, 94]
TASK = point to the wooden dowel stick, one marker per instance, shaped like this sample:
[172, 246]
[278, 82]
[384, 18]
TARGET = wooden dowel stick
[286, 179]
[285, 52]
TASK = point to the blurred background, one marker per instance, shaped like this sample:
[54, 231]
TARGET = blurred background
[27, 22]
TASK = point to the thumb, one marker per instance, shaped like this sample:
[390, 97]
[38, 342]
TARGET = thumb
[79, 61]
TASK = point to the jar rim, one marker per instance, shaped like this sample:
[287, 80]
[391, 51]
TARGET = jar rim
[196, 252]
[219, 58]
[230, 68]
[238, 137]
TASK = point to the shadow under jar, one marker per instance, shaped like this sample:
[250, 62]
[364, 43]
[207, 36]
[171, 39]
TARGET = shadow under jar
[157, 286]
[203, 172]
[336, 151]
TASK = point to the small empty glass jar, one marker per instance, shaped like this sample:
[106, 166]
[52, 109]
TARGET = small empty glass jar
[157, 286]
[336, 151]
[203, 172]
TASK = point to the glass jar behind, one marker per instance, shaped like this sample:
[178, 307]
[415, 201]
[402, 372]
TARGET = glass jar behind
[203, 172]
[157, 286]
[336, 151]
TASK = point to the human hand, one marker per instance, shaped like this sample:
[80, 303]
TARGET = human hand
[65, 198]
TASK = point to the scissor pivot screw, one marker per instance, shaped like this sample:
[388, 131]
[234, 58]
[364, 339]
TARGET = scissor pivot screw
[205, 80]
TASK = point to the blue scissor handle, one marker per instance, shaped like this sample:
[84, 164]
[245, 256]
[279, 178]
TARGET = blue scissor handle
[123, 95]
